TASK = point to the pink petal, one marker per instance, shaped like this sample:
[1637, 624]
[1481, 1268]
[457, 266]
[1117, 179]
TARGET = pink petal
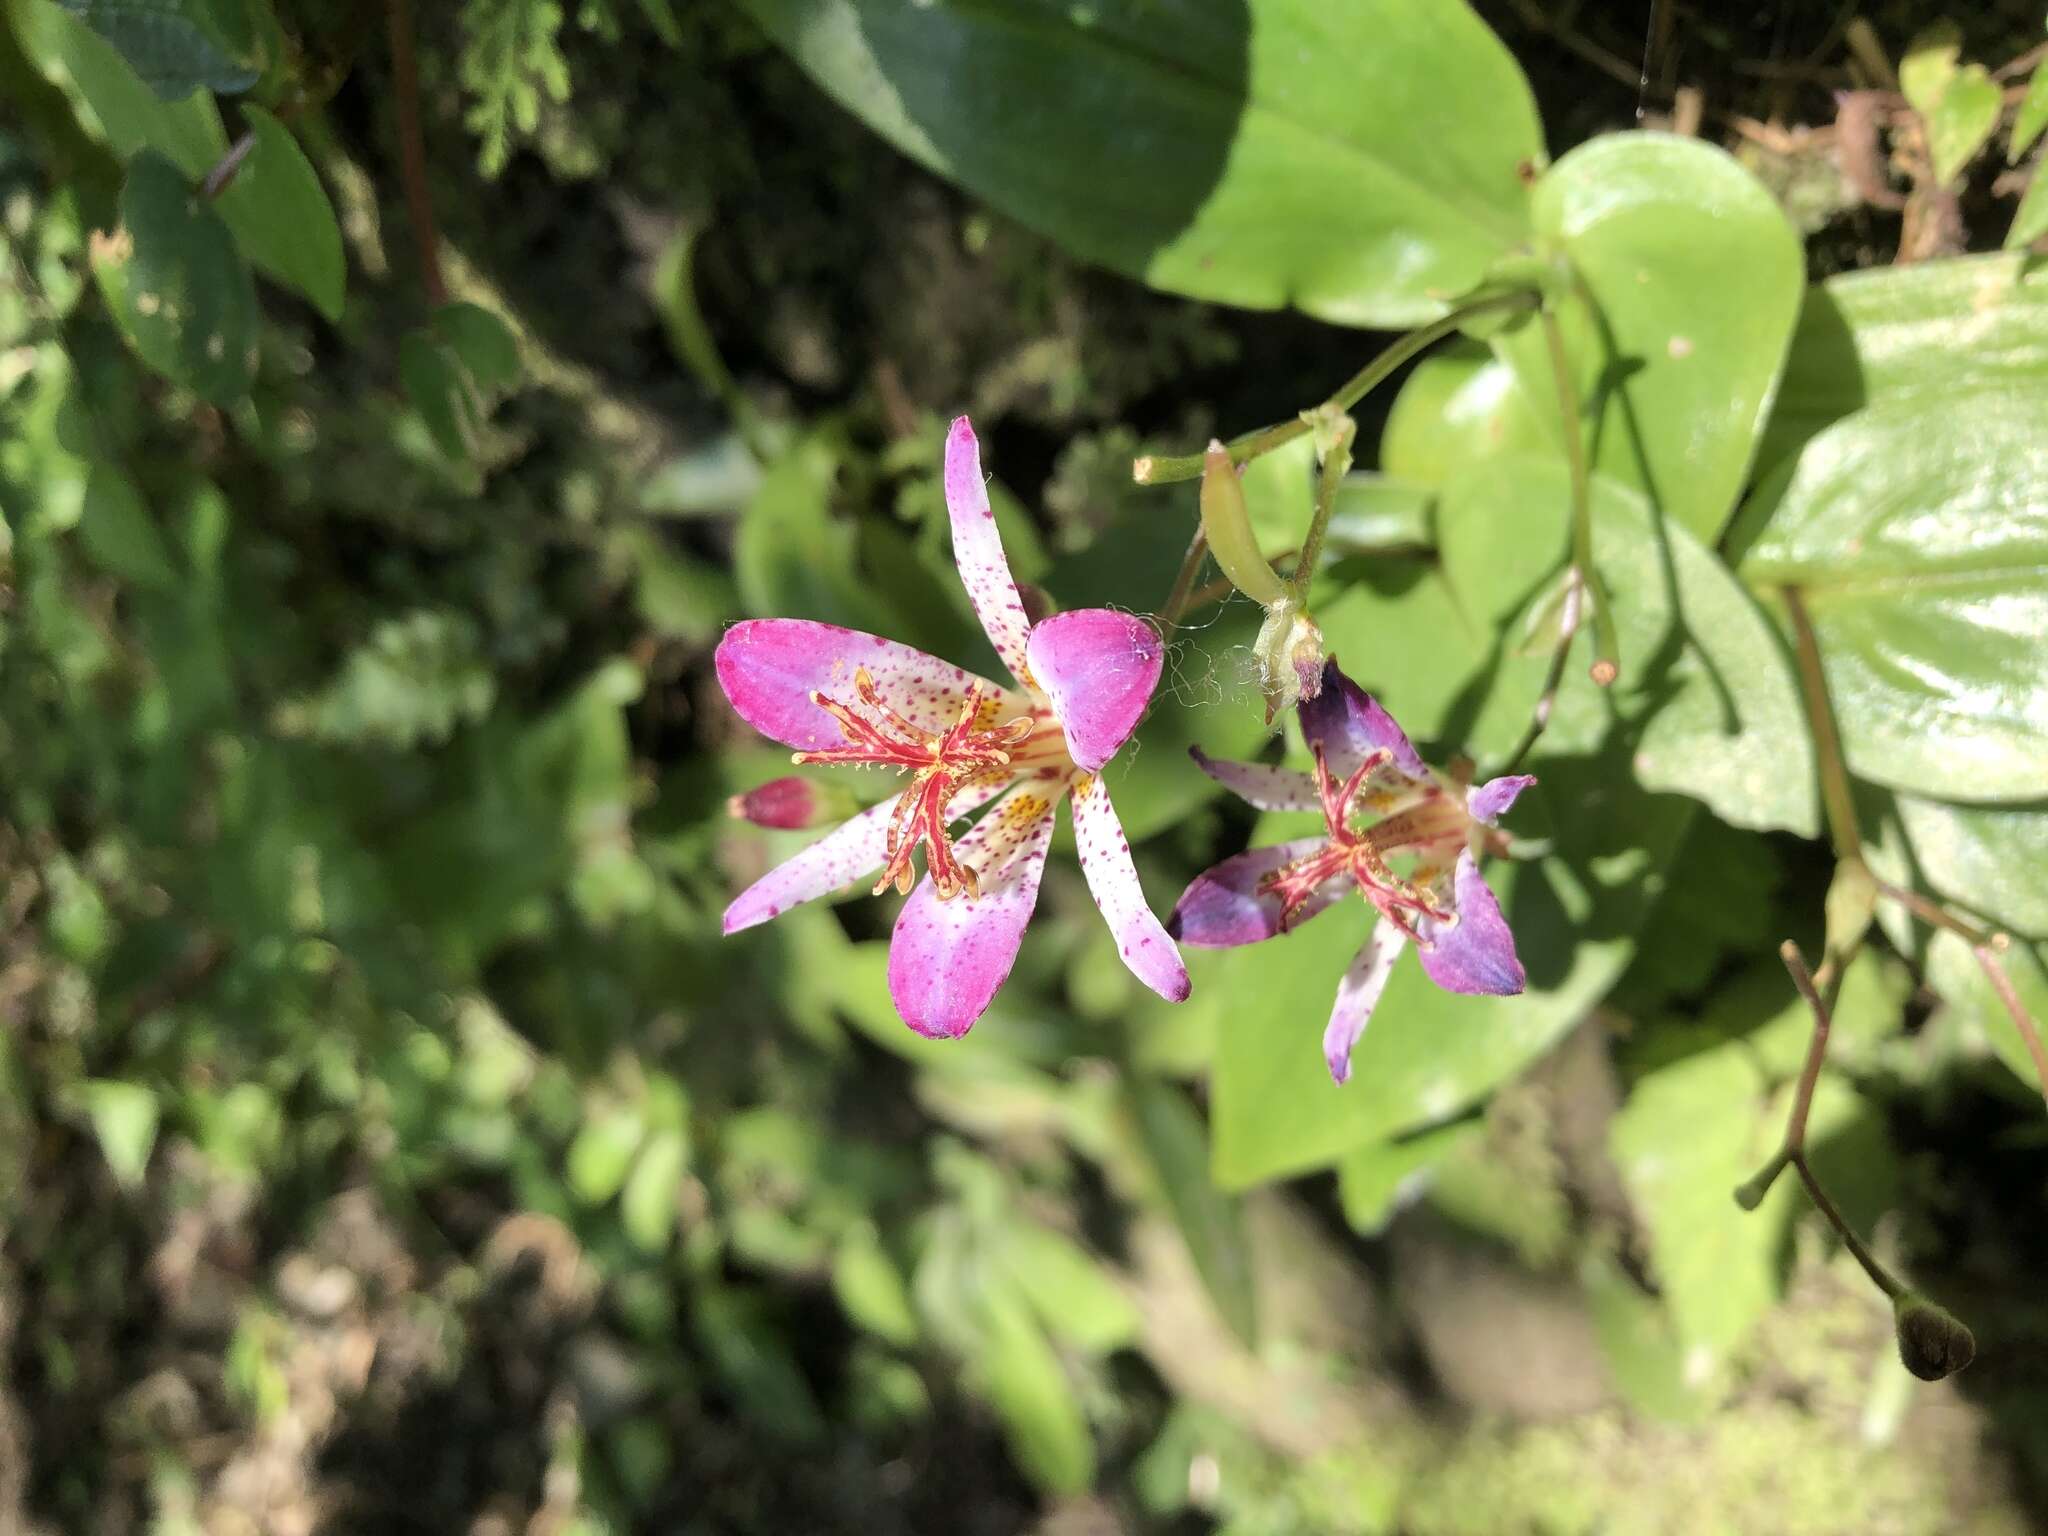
[1477, 952]
[1490, 801]
[1098, 667]
[1223, 908]
[852, 851]
[1358, 994]
[1113, 882]
[770, 667]
[1349, 725]
[948, 959]
[978, 551]
[1270, 789]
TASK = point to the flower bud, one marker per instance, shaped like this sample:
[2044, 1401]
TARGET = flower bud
[787, 804]
[1290, 655]
[1932, 1343]
[1227, 524]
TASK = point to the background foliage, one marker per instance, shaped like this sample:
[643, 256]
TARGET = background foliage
[388, 1138]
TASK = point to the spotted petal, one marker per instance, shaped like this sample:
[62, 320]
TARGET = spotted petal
[1268, 788]
[770, 667]
[1098, 667]
[1349, 725]
[1358, 994]
[1477, 952]
[1224, 908]
[978, 551]
[948, 959]
[852, 851]
[1113, 882]
[1490, 801]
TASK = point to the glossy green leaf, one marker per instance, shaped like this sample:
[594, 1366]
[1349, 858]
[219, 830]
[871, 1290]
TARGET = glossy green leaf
[1921, 332]
[1429, 1053]
[281, 216]
[1962, 121]
[172, 45]
[1028, 1387]
[180, 290]
[1458, 406]
[1991, 860]
[2031, 118]
[2030, 219]
[1918, 530]
[1211, 1222]
[124, 1121]
[1357, 161]
[1706, 689]
[119, 533]
[1694, 278]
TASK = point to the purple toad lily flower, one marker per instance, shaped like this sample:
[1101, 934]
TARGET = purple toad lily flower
[1084, 679]
[1365, 770]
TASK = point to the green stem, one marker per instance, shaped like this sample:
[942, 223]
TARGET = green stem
[1177, 601]
[1827, 741]
[1606, 644]
[1153, 469]
[1336, 465]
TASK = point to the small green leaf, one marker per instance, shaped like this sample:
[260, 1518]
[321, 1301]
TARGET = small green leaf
[124, 1120]
[1963, 120]
[647, 1205]
[435, 384]
[603, 1151]
[1211, 1222]
[791, 555]
[2031, 118]
[281, 215]
[179, 289]
[1929, 65]
[171, 45]
[483, 343]
[2030, 220]
[1024, 1380]
[1694, 277]
[119, 533]
[1259, 155]
[1918, 531]
[872, 1289]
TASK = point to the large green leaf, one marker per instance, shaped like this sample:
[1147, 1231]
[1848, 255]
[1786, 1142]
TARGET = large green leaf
[129, 114]
[1705, 688]
[172, 45]
[1357, 160]
[1990, 859]
[1918, 531]
[178, 287]
[1429, 1053]
[281, 216]
[1920, 332]
[1460, 405]
[1694, 277]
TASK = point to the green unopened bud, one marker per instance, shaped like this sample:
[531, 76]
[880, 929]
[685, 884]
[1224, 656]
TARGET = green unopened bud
[1932, 1342]
[1290, 656]
[1227, 524]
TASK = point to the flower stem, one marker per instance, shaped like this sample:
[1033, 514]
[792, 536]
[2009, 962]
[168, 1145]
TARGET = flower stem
[1792, 1154]
[1178, 600]
[1336, 465]
[1155, 469]
[1606, 644]
[1568, 617]
[1827, 740]
[2021, 1019]
[412, 148]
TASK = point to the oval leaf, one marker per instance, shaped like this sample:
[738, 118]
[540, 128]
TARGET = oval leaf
[282, 218]
[1359, 162]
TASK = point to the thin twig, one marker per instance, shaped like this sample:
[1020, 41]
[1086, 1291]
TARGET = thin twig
[2021, 1019]
[223, 173]
[1606, 643]
[1835, 793]
[1156, 469]
[1336, 464]
[1567, 630]
[1177, 601]
[412, 148]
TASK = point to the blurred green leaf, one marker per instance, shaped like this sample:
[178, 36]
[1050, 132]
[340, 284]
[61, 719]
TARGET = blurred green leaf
[1028, 1387]
[1373, 1179]
[130, 115]
[1211, 1222]
[602, 1152]
[482, 343]
[1648, 1359]
[2030, 219]
[871, 1288]
[1691, 281]
[1962, 121]
[748, 1347]
[2031, 117]
[124, 1121]
[647, 1204]
[281, 217]
[172, 45]
[119, 533]
[1929, 64]
[795, 559]
[1918, 532]
[1075, 1299]
[176, 284]
[1260, 160]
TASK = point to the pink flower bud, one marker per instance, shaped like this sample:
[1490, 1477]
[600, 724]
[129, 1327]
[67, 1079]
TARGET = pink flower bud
[788, 804]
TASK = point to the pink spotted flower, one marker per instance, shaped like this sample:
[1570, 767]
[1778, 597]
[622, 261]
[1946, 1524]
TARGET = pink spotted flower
[1402, 836]
[960, 744]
